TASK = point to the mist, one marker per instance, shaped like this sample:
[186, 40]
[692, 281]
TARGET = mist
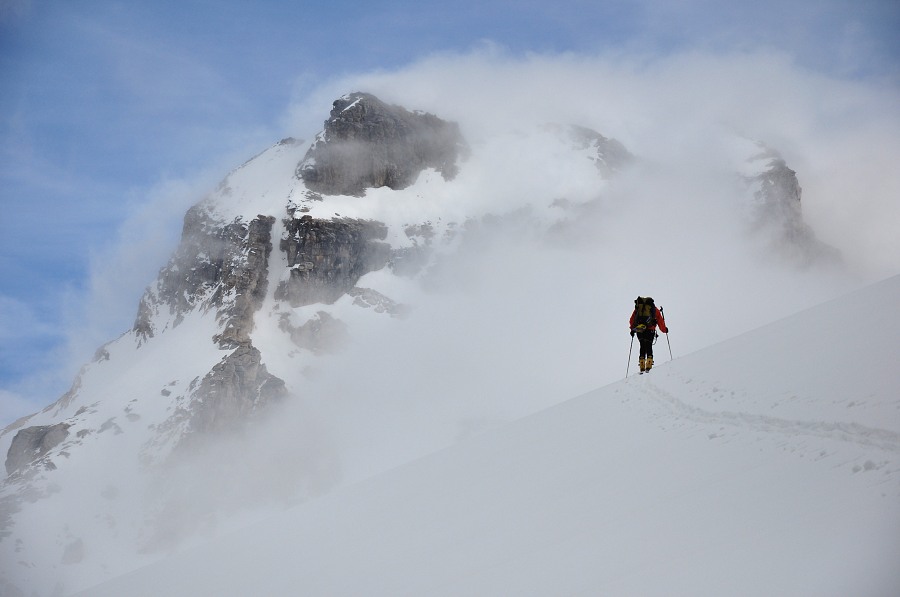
[533, 312]
[526, 304]
[520, 318]
[842, 136]
[530, 306]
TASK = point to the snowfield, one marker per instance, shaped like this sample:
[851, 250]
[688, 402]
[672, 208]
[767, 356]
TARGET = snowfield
[765, 465]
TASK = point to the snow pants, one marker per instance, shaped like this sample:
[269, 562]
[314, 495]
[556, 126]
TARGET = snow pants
[646, 340]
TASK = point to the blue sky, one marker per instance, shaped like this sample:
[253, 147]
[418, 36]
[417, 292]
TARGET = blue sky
[116, 116]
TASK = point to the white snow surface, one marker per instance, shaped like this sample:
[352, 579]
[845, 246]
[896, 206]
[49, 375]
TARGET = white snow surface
[768, 464]
[99, 482]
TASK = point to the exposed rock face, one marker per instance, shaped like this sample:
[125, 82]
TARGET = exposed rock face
[372, 299]
[246, 280]
[322, 334]
[368, 144]
[216, 265]
[235, 389]
[327, 257]
[31, 443]
[779, 190]
[778, 211]
[612, 156]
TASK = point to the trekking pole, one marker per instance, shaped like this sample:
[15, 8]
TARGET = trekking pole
[629, 356]
[667, 334]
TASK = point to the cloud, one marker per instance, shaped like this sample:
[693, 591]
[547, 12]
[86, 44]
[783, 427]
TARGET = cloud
[674, 113]
[520, 319]
[617, 77]
[523, 318]
[840, 135]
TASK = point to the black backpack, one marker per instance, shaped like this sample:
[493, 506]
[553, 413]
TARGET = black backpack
[644, 313]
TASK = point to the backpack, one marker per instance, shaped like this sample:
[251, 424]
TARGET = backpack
[644, 313]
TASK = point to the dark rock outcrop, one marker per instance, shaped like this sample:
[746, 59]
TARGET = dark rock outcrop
[223, 266]
[32, 443]
[246, 280]
[372, 299]
[322, 334]
[368, 144]
[779, 191]
[327, 257]
[611, 156]
[778, 213]
[235, 389]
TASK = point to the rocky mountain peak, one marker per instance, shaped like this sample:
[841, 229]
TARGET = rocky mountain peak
[611, 156]
[288, 262]
[776, 208]
[367, 143]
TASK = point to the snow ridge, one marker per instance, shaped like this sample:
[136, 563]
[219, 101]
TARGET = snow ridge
[631, 489]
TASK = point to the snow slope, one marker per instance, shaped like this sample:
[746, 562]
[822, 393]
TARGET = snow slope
[519, 257]
[765, 465]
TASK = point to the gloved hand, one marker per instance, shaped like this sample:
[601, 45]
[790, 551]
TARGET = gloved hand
[632, 333]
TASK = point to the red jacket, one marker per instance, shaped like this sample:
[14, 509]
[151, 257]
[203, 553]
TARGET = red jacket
[659, 321]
